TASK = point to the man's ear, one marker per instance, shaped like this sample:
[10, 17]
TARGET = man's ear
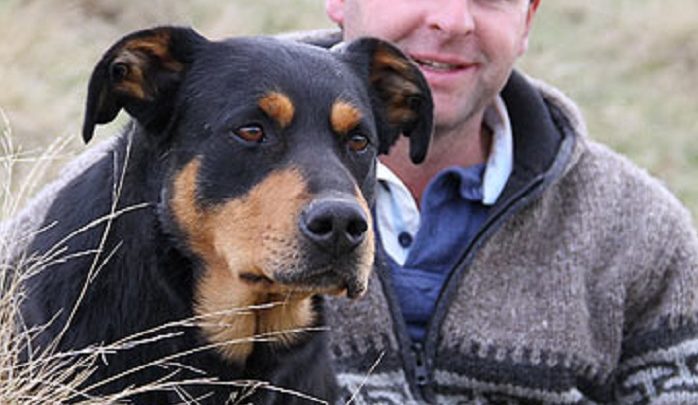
[141, 73]
[401, 98]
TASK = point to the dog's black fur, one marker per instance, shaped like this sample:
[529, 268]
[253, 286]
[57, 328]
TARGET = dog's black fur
[194, 181]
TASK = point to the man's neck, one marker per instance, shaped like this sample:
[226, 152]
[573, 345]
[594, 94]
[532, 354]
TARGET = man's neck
[468, 146]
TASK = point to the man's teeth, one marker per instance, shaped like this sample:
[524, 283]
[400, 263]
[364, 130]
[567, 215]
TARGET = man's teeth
[437, 65]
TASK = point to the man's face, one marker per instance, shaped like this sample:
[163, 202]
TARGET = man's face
[465, 48]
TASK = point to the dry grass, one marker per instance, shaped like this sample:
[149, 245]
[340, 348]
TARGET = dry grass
[30, 375]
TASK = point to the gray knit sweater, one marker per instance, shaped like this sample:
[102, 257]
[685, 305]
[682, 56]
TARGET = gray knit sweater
[581, 288]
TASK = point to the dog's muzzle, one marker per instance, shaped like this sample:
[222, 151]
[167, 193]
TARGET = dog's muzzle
[336, 230]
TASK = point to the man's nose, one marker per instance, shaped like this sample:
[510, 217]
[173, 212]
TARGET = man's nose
[453, 17]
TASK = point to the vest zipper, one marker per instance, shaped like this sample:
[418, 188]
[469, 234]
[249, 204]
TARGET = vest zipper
[421, 370]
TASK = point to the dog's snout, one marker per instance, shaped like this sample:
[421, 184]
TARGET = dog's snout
[336, 225]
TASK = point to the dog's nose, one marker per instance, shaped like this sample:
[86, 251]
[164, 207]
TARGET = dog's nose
[336, 225]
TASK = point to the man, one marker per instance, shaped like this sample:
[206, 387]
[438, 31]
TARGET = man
[521, 262]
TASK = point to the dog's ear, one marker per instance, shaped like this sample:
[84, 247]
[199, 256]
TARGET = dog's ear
[400, 95]
[141, 73]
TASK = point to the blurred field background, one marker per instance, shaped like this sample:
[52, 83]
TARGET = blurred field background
[632, 65]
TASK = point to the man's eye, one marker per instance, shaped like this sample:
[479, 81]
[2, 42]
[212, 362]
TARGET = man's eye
[250, 133]
[357, 142]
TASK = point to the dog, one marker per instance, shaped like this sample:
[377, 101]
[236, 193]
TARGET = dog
[239, 194]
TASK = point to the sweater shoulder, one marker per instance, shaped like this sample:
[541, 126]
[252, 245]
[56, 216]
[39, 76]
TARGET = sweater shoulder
[637, 220]
[596, 169]
[613, 177]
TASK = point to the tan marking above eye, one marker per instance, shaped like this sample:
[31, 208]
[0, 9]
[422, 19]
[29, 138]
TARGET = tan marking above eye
[279, 107]
[344, 117]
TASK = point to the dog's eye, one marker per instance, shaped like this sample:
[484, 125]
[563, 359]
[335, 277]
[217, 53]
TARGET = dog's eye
[357, 142]
[250, 133]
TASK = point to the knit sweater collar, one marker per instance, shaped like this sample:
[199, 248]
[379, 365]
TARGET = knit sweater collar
[540, 129]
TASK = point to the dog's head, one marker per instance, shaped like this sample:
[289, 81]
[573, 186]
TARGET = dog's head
[270, 147]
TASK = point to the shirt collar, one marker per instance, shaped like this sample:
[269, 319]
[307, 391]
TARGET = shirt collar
[501, 160]
[499, 163]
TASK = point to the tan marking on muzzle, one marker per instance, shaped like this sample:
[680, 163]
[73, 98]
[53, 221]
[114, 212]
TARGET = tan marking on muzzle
[368, 254]
[344, 117]
[278, 107]
[234, 238]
